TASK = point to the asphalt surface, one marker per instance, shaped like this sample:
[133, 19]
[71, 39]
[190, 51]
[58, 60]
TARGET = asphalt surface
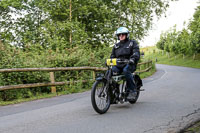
[170, 102]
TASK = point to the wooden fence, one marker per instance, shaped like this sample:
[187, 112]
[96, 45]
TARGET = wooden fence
[147, 66]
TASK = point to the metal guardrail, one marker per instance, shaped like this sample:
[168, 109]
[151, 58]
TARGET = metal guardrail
[147, 65]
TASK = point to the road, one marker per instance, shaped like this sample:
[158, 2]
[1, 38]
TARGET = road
[170, 101]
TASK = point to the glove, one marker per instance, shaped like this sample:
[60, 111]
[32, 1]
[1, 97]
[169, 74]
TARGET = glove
[131, 62]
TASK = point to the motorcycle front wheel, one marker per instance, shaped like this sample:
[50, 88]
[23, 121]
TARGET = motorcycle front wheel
[100, 97]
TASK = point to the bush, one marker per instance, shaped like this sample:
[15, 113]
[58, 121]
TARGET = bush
[36, 57]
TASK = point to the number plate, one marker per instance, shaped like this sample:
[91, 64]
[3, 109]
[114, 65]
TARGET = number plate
[111, 62]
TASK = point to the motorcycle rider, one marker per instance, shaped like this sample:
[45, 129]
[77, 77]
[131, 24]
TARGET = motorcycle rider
[126, 49]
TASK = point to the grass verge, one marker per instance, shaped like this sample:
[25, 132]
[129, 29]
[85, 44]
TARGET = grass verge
[42, 96]
[193, 129]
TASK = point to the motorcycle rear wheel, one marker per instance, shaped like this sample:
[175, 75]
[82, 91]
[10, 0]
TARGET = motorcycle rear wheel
[100, 97]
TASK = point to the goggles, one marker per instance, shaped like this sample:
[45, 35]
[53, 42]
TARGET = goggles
[122, 34]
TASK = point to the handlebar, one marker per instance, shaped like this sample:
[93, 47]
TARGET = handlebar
[122, 61]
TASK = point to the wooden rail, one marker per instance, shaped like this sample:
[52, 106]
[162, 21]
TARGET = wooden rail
[148, 66]
[52, 69]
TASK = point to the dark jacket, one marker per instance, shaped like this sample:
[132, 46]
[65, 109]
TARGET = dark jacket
[127, 49]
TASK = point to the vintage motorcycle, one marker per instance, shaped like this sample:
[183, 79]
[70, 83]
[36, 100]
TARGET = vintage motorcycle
[111, 88]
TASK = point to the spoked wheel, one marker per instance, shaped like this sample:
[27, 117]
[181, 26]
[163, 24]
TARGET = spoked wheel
[100, 97]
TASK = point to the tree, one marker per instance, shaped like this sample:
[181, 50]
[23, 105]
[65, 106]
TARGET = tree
[20, 21]
[161, 43]
[173, 34]
[168, 41]
[194, 26]
[184, 42]
[67, 23]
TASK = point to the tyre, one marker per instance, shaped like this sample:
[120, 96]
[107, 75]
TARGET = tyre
[100, 97]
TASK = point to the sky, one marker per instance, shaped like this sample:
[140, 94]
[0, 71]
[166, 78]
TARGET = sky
[178, 12]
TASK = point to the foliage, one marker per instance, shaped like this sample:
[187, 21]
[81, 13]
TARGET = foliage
[184, 42]
[161, 43]
[12, 57]
[195, 29]
[53, 23]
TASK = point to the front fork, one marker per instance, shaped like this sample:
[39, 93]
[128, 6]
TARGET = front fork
[106, 79]
[122, 92]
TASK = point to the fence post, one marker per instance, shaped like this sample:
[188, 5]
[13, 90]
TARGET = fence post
[53, 88]
[93, 75]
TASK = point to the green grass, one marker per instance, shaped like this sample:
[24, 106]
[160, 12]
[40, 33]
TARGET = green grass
[2, 103]
[193, 129]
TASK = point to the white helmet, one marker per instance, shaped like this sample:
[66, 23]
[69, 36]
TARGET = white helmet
[122, 30]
